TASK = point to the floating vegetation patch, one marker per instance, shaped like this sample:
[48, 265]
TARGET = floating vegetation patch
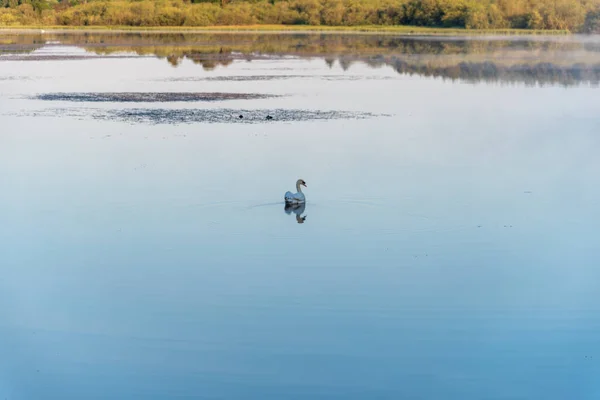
[155, 116]
[188, 116]
[143, 97]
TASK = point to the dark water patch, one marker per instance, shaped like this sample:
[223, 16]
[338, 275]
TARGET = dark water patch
[156, 116]
[251, 78]
[149, 97]
[356, 78]
[240, 78]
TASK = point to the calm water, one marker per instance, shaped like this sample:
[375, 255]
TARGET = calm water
[449, 249]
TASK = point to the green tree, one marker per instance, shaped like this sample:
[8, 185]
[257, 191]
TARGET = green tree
[477, 17]
[535, 20]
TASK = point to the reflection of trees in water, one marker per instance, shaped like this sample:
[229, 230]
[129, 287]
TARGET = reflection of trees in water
[210, 62]
[330, 61]
[533, 73]
[540, 73]
[310, 43]
[207, 60]
[527, 60]
[21, 44]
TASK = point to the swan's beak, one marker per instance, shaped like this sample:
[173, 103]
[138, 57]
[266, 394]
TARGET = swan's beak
[304, 184]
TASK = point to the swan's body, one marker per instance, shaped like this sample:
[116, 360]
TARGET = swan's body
[296, 198]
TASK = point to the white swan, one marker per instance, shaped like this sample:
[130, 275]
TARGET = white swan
[296, 198]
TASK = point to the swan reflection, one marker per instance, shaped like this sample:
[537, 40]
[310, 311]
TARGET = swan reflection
[297, 209]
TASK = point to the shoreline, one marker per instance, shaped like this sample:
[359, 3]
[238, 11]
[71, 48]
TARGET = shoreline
[286, 29]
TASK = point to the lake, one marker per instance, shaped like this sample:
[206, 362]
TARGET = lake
[447, 248]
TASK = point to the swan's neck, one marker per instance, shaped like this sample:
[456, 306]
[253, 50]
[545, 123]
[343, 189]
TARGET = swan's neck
[298, 188]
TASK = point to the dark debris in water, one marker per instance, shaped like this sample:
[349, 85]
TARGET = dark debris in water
[189, 116]
[149, 97]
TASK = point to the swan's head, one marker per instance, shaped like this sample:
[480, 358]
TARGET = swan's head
[301, 182]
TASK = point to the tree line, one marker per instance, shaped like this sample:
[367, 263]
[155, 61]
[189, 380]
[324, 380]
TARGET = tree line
[573, 15]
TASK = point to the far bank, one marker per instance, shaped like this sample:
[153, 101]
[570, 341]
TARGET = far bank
[282, 29]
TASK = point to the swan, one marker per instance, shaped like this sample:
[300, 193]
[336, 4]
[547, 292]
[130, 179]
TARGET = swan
[296, 198]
